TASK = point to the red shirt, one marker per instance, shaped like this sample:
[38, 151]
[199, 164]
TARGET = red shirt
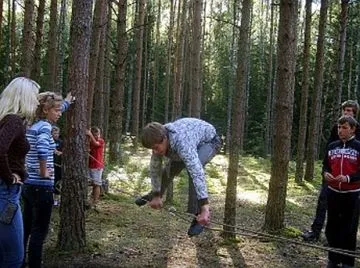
[96, 158]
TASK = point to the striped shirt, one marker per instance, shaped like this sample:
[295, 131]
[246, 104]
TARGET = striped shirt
[42, 147]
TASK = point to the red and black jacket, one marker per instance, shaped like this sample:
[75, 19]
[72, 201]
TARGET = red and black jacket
[343, 158]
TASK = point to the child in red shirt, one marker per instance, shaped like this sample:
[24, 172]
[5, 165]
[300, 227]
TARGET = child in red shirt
[96, 161]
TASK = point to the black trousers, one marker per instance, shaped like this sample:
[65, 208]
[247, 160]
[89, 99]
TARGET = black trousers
[342, 224]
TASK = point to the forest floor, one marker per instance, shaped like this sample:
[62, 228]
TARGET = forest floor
[121, 234]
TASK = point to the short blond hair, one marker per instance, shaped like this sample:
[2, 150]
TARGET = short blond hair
[47, 100]
[20, 98]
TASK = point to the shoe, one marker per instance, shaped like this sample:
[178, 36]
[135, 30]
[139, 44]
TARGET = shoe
[56, 203]
[310, 236]
[347, 266]
[195, 228]
[142, 200]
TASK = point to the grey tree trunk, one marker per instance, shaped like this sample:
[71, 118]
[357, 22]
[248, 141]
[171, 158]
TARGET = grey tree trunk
[283, 115]
[313, 131]
[35, 72]
[72, 235]
[304, 95]
[27, 39]
[238, 118]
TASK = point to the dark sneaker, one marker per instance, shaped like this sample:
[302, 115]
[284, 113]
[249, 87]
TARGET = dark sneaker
[333, 265]
[142, 200]
[195, 228]
[310, 236]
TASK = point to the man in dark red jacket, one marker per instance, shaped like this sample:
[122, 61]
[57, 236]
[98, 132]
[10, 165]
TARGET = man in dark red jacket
[341, 170]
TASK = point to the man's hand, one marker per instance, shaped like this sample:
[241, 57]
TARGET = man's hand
[204, 217]
[341, 178]
[156, 203]
[328, 176]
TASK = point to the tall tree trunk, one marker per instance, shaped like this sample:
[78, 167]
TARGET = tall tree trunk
[107, 71]
[1, 18]
[304, 95]
[98, 102]
[196, 59]
[313, 131]
[13, 39]
[156, 60]
[341, 57]
[72, 234]
[238, 118]
[283, 115]
[169, 61]
[139, 32]
[35, 72]
[117, 91]
[27, 39]
[180, 51]
[52, 53]
[97, 26]
[61, 45]
[231, 86]
[269, 94]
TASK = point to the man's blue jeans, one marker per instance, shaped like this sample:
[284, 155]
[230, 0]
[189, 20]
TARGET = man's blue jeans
[11, 235]
[37, 202]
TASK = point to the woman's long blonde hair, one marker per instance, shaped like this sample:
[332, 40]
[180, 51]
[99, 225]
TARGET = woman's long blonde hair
[20, 98]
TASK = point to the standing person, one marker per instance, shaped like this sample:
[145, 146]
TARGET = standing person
[96, 162]
[350, 108]
[341, 170]
[18, 104]
[39, 186]
[188, 143]
[55, 132]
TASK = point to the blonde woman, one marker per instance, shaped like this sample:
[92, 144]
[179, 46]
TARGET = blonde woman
[39, 186]
[18, 103]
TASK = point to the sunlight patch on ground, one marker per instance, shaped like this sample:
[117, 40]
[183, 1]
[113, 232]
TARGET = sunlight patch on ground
[252, 196]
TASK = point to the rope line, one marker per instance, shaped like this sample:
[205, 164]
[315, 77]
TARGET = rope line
[244, 231]
[256, 234]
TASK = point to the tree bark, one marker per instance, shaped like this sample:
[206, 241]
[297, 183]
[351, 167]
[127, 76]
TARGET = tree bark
[97, 27]
[313, 131]
[196, 59]
[117, 91]
[52, 52]
[304, 95]
[27, 39]
[72, 234]
[238, 118]
[139, 33]
[341, 58]
[35, 72]
[283, 115]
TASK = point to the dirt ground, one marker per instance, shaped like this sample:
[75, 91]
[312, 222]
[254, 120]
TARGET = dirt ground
[120, 234]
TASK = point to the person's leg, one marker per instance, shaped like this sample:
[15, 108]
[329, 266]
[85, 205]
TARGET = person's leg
[321, 208]
[205, 152]
[320, 216]
[27, 202]
[348, 231]
[96, 176]
[41, 222]
[11, 227]
[334, 220]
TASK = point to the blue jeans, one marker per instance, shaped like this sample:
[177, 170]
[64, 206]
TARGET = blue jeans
[11, 235]
[38, 202]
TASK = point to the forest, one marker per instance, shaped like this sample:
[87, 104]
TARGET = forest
[270, 75]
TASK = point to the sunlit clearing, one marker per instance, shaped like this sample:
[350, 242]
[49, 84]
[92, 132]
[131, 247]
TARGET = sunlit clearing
[252, 197]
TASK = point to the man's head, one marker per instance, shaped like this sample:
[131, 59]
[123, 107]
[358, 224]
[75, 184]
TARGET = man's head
[346, 127]
[350, 107]
[154, 137]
